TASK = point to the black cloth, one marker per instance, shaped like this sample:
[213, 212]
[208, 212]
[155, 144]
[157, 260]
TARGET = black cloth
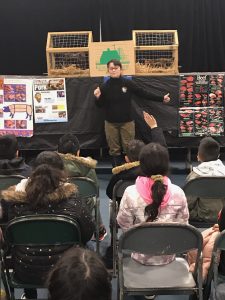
[116, 96]
[133, 173]
[129, 174]
[15, 166]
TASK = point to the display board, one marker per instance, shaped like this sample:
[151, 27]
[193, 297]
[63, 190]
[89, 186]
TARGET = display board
[16, 109]
[49, 97]
[201, 105]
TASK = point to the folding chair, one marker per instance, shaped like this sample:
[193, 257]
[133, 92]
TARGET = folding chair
[36, 231]
[157, 239]
[5, 182]
[8, 180]
[118, 191]
[214, 277]
[210, 189]
[88, 189]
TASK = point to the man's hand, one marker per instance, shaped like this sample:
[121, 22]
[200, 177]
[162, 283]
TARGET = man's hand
[150, 120]
[166, 98]
[97, 92]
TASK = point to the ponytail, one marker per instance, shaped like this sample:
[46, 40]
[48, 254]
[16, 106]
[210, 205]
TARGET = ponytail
[158, 192]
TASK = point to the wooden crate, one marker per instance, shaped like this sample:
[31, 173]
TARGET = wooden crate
[156, 52]
[68, 53]
[102, 52]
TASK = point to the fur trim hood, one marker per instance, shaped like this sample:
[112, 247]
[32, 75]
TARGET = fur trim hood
[125, 167]
[64, 191]
[86, 161]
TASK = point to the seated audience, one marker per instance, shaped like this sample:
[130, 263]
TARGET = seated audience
[209, 236]
[130, 170]
[79, 275]
[210, 165]
[10, 162]
[78, 166]
[153, 198]
[45, 192]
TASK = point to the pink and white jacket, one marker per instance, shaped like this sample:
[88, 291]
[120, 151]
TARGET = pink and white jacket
[131, 212]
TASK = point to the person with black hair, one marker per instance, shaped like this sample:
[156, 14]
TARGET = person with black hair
[79, 275]
[208, 156]
[115, 96]
[130, 169]
[153, 198]
[210, 165]
[78, 166]
[44, 192]
[10, 162]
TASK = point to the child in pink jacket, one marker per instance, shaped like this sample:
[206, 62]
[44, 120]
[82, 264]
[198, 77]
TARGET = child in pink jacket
[153, 198]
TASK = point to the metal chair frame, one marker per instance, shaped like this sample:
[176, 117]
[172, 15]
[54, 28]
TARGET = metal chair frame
[36, 231]
[157, 239]
[206, 187]
[118, 191]
[88, 189]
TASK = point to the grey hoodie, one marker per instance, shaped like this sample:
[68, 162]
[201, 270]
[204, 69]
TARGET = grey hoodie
[209, 168]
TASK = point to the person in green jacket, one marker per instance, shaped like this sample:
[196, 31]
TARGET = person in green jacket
[78, 166]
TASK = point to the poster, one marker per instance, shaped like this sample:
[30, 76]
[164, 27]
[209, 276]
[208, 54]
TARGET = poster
[201, 110]
[16, 109]
[102, 53]
[49, 98]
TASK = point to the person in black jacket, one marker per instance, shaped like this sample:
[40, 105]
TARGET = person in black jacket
[115, 96]
[10, 162]
[45, 192]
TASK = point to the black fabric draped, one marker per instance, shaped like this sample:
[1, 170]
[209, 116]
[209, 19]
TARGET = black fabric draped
[24, 26]
[200, 25]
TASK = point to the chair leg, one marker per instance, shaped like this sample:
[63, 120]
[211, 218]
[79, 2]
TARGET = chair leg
[4, 278]
[97, 223]
[114, 239]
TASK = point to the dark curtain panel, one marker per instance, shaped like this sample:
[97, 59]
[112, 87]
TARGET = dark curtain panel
[24, 26]
[200, 25]
[86, 120]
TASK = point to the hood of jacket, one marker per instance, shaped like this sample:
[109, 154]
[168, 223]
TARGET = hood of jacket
[210, 168]
[65, 190]
[86, 161]
[144, 185]
[15, 164]
[124, 167]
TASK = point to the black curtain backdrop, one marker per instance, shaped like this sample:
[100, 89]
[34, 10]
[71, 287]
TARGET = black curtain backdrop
[24, 26]
[200, 25]
[86, 120]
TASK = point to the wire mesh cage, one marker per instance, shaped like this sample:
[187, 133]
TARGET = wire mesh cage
[156, 52]
[68, 53]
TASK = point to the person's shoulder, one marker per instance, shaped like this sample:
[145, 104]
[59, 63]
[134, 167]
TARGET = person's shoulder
[132, 195]
[177, 193]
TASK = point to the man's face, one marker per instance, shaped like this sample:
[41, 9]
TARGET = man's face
[114, 71]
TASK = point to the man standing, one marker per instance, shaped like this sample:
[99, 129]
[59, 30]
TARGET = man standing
[115, 96]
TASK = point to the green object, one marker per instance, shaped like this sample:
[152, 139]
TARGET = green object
[108, 55]
[38, 231]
